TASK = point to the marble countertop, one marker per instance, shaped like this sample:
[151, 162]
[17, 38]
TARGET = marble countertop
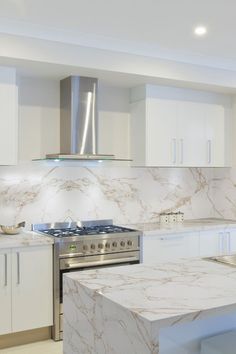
[187, 226]
[165, 294]
[24, 239]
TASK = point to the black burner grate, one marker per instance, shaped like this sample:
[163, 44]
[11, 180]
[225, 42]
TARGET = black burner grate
[83, 231]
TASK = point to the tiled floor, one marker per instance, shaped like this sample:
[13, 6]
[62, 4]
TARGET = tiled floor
[45, 347]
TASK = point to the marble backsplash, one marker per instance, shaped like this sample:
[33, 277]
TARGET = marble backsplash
[223, 189]
[38, 193]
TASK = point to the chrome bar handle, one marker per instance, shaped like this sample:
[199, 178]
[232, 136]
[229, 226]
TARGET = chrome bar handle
[228, 236]
[18, 267]
[221, 242]
[181, 151]
[115, 262]
[171, 238]
[5, 258]
[174, 151]
[209, 151]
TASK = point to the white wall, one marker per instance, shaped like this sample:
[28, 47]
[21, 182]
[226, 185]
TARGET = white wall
[114, 120]
[39, 125]
[105, 62]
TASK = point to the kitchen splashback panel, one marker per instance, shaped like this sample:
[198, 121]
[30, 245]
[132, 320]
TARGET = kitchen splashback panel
[128, 195]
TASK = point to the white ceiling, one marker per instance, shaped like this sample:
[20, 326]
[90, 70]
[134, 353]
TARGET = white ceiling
[157, 28]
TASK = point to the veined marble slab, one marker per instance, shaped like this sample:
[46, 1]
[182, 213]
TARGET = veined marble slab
[187, 226]
[50, 192]
[122, 310]
[24, 239]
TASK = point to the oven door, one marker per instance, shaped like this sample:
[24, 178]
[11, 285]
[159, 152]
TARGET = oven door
[100, 260]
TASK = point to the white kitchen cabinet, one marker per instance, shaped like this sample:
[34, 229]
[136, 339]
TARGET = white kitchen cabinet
[209, 243]
[156, 248]
[230, 241]
[215, 135]
[171, 132]
[30, 289]
[8, 116]
[161, 133]
[5, 291]
[154, 133]
[216, 243]
[191, 133]
[162, 248]
[232, 238]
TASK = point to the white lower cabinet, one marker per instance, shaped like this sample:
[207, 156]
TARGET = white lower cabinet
[210, 243]
[162, 248]
[28, 303]
[216, 243]
[231, 240]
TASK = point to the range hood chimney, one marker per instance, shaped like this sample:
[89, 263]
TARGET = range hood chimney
[79, 120]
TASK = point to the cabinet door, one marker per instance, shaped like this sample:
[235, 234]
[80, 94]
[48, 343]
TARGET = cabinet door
[8, 116]
[161, 127]
[31, 288]
[210, 243]
[5, 291]
[191, 134]
[232, 241]
[215, 134]
[170, 247]
[224, 243]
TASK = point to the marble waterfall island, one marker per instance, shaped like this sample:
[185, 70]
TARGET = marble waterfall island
[126, 310]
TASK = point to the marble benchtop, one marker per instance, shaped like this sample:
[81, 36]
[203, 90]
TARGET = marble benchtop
[29, 238]
[24, 239]
[164, 294]
[149, 229]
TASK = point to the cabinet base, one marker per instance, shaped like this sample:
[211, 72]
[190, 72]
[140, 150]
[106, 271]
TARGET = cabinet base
[25, 337]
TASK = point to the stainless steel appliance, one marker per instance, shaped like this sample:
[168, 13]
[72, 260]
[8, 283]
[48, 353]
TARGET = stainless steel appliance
[79, 120]
[81, 245]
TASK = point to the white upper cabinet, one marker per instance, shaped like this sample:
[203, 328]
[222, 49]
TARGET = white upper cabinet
[177, 132]
[191, 134]
[8, 116]
[215, 132]
[161, 139]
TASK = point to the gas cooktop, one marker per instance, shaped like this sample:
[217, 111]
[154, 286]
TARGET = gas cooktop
[82, 228]
[82, 231]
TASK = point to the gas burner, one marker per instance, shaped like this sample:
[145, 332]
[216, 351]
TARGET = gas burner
[86, 230]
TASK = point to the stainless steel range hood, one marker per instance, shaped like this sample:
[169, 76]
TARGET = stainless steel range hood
[79, 120]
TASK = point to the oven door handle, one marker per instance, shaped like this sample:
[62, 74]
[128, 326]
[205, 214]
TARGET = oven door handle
[103, 262]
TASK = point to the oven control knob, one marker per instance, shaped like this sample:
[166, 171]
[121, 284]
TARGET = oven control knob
[93, 246]
[85, 247]
[122, 243]
[107, 245]
[114, 244]
[100, 246]
[130, 243]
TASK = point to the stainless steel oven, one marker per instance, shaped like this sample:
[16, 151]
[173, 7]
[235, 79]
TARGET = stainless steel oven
[82, 245]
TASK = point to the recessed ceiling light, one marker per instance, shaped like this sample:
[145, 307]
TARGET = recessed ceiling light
[200, 31]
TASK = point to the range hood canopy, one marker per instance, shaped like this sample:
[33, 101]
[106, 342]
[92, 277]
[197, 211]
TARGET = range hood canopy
[79, 120]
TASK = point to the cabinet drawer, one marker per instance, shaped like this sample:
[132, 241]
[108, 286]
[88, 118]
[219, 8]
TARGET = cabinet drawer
[170, 247]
